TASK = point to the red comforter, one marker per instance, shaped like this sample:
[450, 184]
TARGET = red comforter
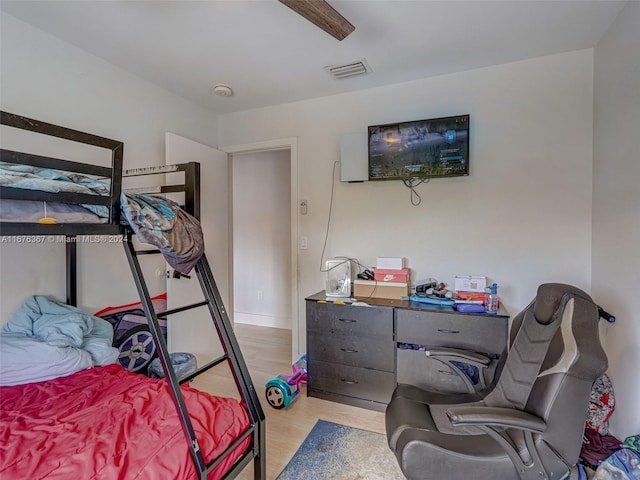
[108, 423]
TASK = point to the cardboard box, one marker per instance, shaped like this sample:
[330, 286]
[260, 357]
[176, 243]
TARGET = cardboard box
[470, 283]
[390, 263]
[386, 275]
[371, 289]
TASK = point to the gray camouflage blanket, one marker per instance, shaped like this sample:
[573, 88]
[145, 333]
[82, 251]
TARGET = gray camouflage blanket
[161, 222]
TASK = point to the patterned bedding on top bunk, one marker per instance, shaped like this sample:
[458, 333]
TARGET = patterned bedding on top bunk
[67, 412]
[155, 220]
[48, 180]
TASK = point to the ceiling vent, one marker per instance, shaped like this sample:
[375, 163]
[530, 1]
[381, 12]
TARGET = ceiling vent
[351, 69]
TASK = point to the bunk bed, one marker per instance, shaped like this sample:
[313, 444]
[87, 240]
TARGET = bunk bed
[107, 422]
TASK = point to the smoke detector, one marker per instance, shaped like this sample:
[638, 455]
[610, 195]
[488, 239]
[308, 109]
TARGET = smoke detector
[222, 90]
[351, 69]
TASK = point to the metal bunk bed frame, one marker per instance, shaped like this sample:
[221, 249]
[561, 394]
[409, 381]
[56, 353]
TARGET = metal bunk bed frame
[212, 298]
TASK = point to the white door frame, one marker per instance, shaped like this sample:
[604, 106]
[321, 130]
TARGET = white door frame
[290, 144]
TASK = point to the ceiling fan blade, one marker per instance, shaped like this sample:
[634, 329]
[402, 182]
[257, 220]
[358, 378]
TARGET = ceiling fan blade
[323, 15]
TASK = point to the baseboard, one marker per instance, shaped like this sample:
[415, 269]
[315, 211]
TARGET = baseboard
[262, 320]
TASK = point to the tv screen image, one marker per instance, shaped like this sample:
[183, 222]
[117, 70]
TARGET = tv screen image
[432, 148]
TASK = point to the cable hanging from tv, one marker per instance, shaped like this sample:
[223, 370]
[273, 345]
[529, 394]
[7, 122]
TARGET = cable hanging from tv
[411, 183]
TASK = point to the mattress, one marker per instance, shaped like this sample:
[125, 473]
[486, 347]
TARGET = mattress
[30, 211]
[106, 422]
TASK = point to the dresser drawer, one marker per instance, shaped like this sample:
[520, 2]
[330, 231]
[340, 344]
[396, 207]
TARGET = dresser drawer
[477, 333]
[374, 353]
[350, 320]
[416, 368]
[351, 381]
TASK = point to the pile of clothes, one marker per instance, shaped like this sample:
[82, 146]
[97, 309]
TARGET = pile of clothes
[624, 464]
[602, 452]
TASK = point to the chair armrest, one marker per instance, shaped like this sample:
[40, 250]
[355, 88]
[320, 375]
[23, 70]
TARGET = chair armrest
[457, 354]
[493, 420]
[448, 356]
[495, 416]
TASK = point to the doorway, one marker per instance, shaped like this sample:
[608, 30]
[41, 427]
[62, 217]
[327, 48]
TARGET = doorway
[261, 238]
[264, 236]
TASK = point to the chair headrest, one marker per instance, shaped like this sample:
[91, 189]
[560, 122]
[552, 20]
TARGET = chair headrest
[549, 298]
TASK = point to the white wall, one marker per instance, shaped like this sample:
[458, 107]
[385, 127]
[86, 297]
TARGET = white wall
[616, 208]
[47, 79]
[523, 216]
[262, 238]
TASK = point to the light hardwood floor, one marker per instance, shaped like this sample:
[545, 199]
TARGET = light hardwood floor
[267, 352]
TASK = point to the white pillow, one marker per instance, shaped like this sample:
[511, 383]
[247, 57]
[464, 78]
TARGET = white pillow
[25, 359]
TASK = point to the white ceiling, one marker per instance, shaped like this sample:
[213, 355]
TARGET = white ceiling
[271, 55]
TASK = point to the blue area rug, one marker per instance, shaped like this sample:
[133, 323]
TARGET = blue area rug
[337, 452]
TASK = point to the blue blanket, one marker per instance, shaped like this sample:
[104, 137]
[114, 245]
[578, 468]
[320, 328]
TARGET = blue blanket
[46, 339]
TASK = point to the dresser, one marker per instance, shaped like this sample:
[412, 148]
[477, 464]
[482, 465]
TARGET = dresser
[357, 354]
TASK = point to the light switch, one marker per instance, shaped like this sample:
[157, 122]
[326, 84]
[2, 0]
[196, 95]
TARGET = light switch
[303, 207]
[303, 243]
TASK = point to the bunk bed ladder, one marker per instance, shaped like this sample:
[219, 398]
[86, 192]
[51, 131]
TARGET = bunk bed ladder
[213, 301]
[238, 366]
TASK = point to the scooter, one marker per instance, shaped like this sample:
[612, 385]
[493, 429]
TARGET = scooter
[283, 389]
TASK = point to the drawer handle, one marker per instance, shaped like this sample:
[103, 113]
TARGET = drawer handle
[347, 320]
[444, 330]
[346, 350]
[349, 382]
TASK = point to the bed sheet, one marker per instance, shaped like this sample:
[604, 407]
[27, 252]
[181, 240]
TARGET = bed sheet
[108, 423]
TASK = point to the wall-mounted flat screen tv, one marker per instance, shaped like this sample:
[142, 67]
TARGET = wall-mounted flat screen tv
[433, 148]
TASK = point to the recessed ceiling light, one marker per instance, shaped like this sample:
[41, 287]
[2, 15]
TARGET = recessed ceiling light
[222, 90]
